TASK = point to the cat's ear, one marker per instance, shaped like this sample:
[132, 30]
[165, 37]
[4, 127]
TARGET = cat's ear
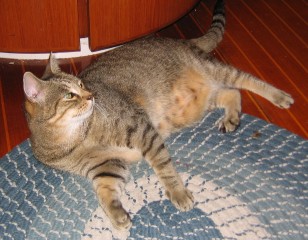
[52, 67]
[33, 88]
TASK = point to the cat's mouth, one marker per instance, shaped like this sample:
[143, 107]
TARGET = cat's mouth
[86, 111]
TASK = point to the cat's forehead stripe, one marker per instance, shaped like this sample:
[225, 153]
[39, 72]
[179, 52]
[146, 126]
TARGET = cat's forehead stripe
[65, 82]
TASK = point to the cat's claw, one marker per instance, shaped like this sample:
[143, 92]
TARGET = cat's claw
[228, 124]
[119, 218]
[181, 199]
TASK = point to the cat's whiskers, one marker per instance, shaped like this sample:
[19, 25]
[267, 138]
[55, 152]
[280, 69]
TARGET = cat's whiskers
[101, 110]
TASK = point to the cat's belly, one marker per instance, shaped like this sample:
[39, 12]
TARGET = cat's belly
[188, 100]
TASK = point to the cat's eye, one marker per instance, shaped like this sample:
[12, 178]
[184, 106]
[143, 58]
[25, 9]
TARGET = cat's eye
[69, 95]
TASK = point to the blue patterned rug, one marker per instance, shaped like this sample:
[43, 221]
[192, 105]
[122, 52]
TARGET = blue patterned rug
[250, 184]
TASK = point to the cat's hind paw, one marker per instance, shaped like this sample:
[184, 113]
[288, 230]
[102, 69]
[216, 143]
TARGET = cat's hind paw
[181, 199]
[228, 124]
[282, 99]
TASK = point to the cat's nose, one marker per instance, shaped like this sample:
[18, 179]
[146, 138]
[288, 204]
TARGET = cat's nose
[89, 97]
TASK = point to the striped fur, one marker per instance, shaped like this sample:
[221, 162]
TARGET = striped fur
[122, 107]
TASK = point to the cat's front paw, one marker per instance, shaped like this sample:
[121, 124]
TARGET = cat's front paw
[282, 99]
[119, 218]
[181, 199]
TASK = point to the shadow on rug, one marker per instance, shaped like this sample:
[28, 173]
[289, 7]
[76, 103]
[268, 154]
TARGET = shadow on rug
[251, 184]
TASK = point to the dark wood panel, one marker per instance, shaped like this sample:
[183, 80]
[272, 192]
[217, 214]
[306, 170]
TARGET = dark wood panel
[37, 67]
[171, 32]
[83, 18]
[298, 8]
[268, 16]
[294, 13]
[39, 26]
[189, 28]
[81, 63]
[4, 136]
[117, 21]
[13, 100]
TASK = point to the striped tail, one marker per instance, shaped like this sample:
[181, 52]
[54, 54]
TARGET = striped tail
[213, 36]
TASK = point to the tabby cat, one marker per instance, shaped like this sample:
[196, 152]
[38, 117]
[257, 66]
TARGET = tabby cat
[122, 107]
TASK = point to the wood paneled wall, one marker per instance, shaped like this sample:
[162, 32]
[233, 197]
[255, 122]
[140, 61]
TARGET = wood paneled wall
[83, 18]
[118, 21]
[57, 25]
[39, 26]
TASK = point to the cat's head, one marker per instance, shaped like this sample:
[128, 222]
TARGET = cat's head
[57, 98]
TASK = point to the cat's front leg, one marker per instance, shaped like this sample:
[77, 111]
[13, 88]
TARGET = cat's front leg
[178, 194]
[155, 152]
[108, 170]
[108, 190]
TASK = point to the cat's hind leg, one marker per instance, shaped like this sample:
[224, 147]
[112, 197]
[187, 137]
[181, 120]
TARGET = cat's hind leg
[230, 101]
[234, 78]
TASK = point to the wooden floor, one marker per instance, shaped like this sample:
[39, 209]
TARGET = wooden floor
[265, 38]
